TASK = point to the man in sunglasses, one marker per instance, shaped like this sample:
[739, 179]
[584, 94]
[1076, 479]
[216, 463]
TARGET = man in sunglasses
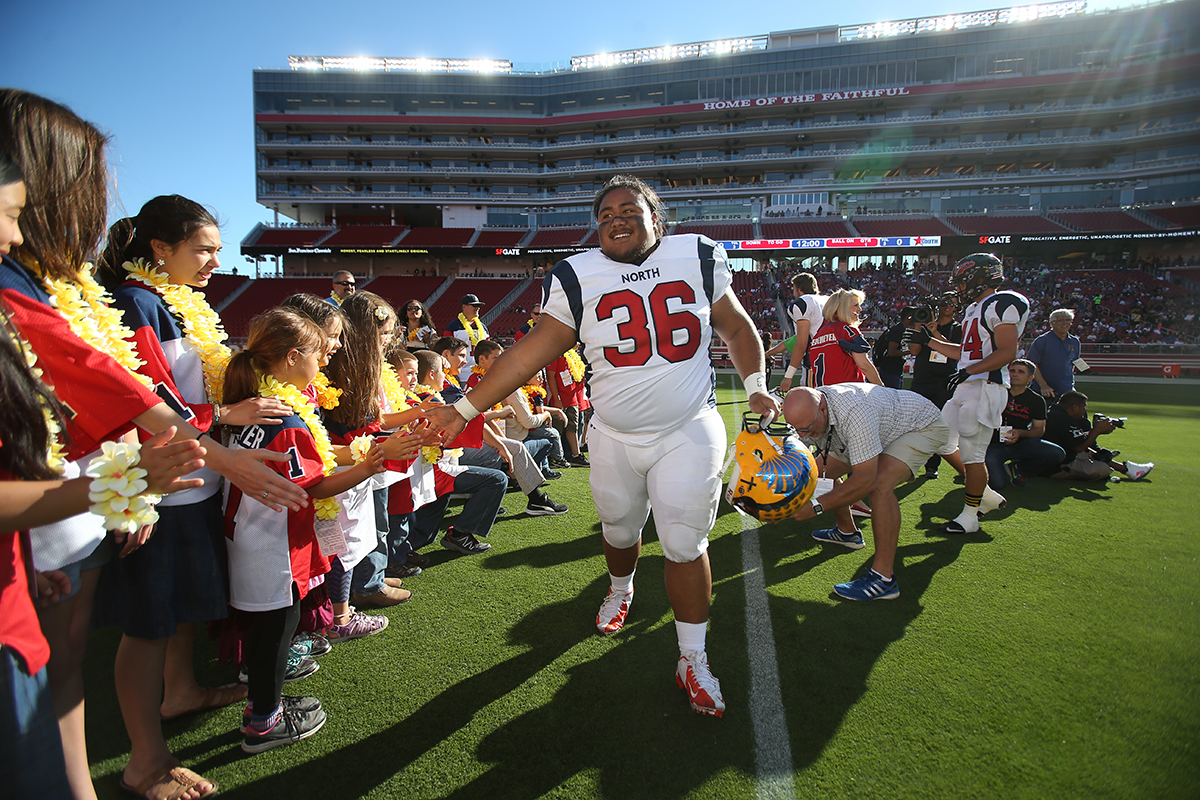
[343, 286]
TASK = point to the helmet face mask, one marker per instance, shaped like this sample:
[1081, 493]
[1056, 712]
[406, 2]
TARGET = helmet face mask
[774, 473]
[975, 274]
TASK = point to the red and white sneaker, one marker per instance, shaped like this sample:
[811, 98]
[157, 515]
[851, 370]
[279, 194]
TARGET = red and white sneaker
[704, 691]
[614, 609]
[860, 509]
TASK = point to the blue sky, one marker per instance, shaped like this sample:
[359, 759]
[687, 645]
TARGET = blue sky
[171, 82]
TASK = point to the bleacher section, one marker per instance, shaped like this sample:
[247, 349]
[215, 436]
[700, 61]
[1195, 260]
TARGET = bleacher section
[557, 237]
[1183, 216]
[720, 231]
[263, 294]
[972, 224]
[824, 229]
[437, 237]
[365, 236]
[902, 226]
[399, 289]
[498, 238]
[288, 237]
[592, 239]
[221, 286]
[755, 296]
[490, 290]
[517, 314]
[1100, 221]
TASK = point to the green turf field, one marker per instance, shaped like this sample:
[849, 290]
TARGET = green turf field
[1054, 654]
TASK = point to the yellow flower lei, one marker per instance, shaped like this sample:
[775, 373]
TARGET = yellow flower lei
[453, 381]
[200, 323]
[268, 386]
[531, 323]
[474, 328]
[575, 364]
[83, 303]
[327, 394]
[397, 396]
[336, 299]
[530, 391]
[478, 370]
[56, 457]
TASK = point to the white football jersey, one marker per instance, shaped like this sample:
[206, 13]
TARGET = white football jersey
[979, 330]
[646, 330]
[809, 307]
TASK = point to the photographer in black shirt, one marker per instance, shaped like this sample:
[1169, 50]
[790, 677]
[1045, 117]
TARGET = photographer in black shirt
[932, 370]
[1067, 426]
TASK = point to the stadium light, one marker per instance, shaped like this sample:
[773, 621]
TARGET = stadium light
[388, 64]
[974, 19]
[671, 52]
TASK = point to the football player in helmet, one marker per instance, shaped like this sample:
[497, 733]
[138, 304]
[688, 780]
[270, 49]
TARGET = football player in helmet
[992, 326]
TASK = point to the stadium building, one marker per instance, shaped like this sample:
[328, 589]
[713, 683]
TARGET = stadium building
[1036, 130]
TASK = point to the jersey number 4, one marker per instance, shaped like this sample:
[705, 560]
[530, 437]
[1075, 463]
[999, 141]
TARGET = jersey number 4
[665, 323]
[972, 343]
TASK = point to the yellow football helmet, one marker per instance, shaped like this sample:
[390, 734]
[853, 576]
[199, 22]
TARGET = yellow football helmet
[774, 474]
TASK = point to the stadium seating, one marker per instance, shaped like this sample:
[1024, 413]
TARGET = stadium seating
[901, 226]
[517, 314]
[500, 238]
[720, 231]
[973, 224]
[220, 286]
[557, 237]
[489, 290]
[817, 229]
[1100, 221]
[437, 237]
[263, 294]
[1181, 216]
[288, 237]
[364, 236]
[399, 289]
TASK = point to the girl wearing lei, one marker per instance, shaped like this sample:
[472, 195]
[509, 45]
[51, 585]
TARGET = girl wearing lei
[418, 325]
[273, 558]
[60, 314]
[179, 577]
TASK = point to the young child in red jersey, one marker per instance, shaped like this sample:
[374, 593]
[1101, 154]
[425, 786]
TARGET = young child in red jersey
[273, 556]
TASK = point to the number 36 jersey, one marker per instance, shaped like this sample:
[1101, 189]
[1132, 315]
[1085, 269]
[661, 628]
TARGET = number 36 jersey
[646, 330]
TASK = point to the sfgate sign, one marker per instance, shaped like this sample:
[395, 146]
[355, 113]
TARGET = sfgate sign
[823, 244]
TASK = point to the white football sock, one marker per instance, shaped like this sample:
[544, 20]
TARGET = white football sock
[622, 584]
[691, 636]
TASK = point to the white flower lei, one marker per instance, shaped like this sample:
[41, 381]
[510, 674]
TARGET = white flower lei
[200, 323]
[118, 491]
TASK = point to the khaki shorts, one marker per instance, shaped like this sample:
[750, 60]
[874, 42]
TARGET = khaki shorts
[915, 447]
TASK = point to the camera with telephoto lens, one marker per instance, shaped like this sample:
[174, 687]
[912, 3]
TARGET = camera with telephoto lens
[1117, 422]
[929, 307]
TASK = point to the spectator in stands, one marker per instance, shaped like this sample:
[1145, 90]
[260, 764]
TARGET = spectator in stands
[535, 314]
[1067, 426]
[805, 313]
[1018, 450]
[468, 327]
[343, 286]
[889, 357]
[418, 325]
[838, 352]
[1054, 353]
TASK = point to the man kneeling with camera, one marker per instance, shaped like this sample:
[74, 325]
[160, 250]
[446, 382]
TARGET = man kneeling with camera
[1067, 426]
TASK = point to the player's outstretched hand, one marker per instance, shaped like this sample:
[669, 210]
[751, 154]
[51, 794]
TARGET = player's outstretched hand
[765, 404]
[446, 421]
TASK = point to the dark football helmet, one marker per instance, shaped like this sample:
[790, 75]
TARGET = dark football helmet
[774, 474]
[975, 274]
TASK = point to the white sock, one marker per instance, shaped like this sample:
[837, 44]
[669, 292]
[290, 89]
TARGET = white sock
[691, 636]
[624, 584]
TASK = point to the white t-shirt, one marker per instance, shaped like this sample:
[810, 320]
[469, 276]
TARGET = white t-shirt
[646, 331]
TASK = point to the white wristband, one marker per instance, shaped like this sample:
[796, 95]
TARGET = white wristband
[463, 406]
[757, 382]
[789, 372]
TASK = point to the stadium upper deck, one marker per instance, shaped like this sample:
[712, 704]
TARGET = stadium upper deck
[1027, 109]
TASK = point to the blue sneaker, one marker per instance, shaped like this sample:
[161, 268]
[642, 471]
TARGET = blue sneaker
[871, 586]
[833, 536]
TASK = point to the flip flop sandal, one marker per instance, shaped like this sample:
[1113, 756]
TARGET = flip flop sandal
[171, 782]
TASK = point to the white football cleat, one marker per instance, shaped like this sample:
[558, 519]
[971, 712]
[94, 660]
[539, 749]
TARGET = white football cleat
[991, 501]
[614, 609]
[704, 691]
[1135, 471]
[966, 522]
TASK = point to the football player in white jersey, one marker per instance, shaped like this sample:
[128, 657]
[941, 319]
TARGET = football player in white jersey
[805, 313]
[645, 308]
[992, 328]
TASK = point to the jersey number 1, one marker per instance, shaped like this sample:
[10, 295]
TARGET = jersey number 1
[637, 328]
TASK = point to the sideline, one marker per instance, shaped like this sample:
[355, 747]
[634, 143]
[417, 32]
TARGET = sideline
[775, 778]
